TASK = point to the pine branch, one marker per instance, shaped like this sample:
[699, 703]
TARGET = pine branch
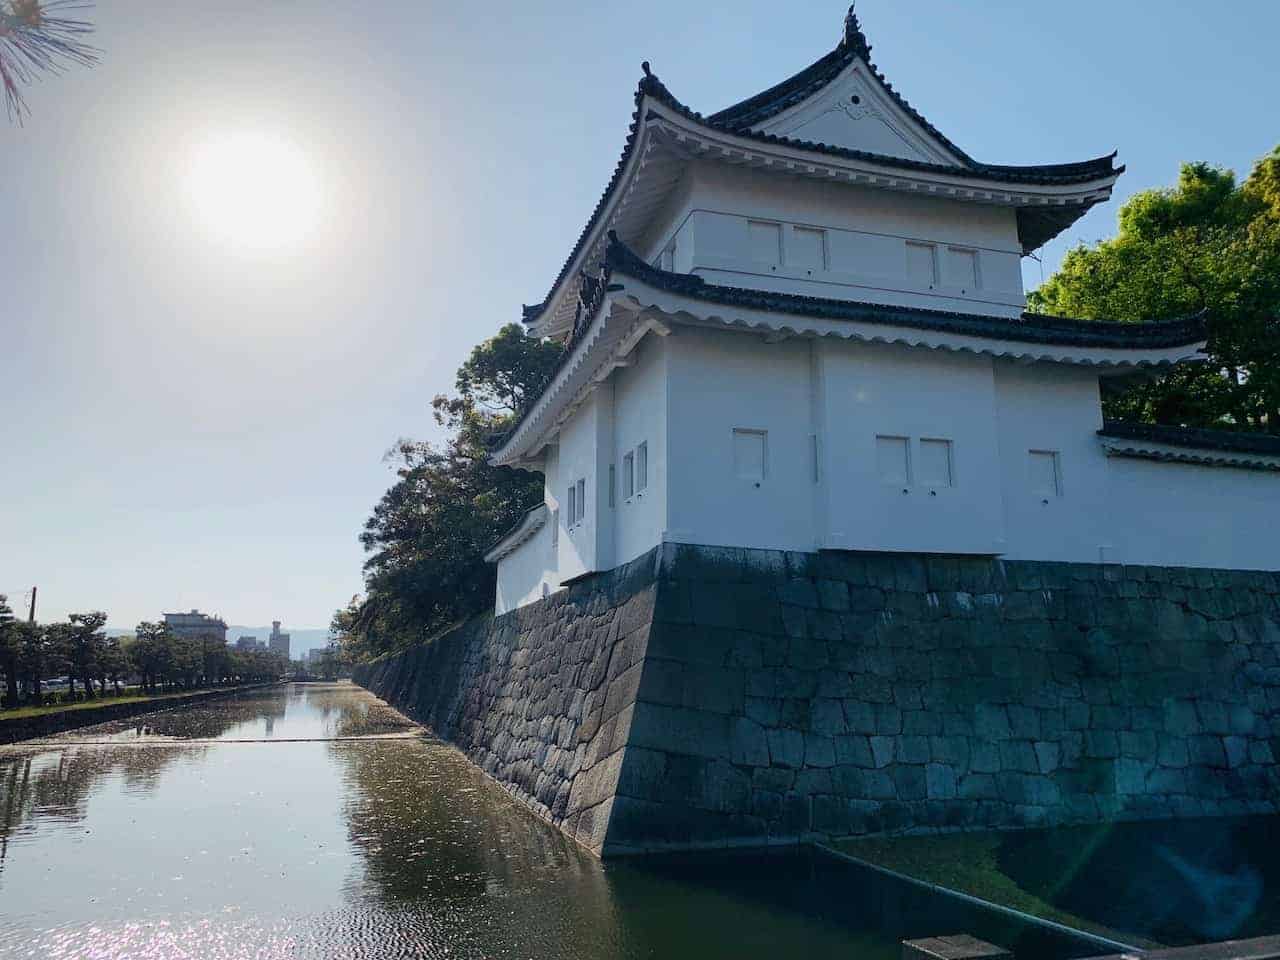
[39, 36]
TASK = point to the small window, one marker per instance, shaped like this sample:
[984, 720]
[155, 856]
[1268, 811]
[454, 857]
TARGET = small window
[642, 466]
[935, 468]
[582, 500]
[668, 259]
[571, 514]
[922, 264]
[628, 476]
[613, 484]
[962, 268]
[750, 454]
[893, 459]
[555, 529]
[1046, 473]
[766, 242]
[808, 249]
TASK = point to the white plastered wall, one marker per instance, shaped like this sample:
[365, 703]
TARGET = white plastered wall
[866, 233]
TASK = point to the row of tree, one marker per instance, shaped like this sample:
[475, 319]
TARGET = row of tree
[31, 653]
[1207, 244]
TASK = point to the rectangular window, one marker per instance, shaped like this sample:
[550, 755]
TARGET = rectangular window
[613, 484]
[571, 504]
[962, 268]
[667, 259]
[893, 460]
[808, 249]
[766, 242]
[922, 264]
[935, 468]
[555, 529]
[582, 500]
[750, 454]
[628, 476]
[1046, 473]
[642, 466]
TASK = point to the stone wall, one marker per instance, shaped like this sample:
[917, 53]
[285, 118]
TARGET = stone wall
[704, 696]
[540, 698]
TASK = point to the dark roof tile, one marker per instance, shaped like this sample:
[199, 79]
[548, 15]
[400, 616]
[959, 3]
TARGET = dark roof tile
[1195, 438]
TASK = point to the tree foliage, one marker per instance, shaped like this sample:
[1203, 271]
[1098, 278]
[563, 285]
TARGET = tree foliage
[1208, 244]
[427, 536]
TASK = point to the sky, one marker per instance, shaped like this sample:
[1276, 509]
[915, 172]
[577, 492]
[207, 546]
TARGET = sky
[203, 361]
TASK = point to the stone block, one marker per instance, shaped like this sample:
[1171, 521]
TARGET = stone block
[913, 750]
[1018, 756]
[854, 749]
[940, 781]
[1237, 751]
[748, 744]
[1101, 744]
[833, 595]
[1206, 751]
[984, 757]
[888, 719]
[1141, 744]
[786, 748]
[859, 716]
[826, 716]
[883, 750]
[1131, 776]
[763, 710]
[1213, 716]
[952, 750]
[910, 782]
[799, 593]
[921, 723]
[819, 750]
[1048, 756]
[978, 786]
[991, 722]
[1166, 781]
[681, 730]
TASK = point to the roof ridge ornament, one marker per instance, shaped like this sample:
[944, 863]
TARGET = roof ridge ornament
[854, 39]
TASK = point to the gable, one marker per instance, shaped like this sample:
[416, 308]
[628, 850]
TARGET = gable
[854, 112]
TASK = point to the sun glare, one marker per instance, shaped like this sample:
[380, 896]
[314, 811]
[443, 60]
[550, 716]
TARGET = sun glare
[254, 191]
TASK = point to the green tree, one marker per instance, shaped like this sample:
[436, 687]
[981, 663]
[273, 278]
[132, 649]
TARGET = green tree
[427, 536]
[151, 654]
[9, 651]
[84, 641]
[1208, 244]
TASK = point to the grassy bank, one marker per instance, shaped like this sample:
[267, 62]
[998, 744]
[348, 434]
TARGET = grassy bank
[28, 723]
[26, 713]
[966, 862]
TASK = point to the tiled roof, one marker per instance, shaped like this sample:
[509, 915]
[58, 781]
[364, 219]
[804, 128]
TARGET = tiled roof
[1035, 225]
[1233, 441]
[1028, 328]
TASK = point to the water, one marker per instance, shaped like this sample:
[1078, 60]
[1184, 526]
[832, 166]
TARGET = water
[314, 821]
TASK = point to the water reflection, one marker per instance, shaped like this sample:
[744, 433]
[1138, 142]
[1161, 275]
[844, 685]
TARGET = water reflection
[128, 840]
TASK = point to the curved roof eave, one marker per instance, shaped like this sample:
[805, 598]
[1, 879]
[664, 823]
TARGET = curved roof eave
[1034, 229]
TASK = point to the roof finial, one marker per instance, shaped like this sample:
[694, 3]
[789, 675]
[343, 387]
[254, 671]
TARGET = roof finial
[645, 67]
[854, 38]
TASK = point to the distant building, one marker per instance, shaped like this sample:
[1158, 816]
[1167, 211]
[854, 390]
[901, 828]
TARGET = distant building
[278, 642]
[195, 625]
[250, 642]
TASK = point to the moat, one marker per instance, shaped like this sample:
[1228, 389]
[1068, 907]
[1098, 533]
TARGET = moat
[314, 821]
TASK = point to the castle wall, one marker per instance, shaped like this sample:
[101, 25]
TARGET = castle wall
[703, 696]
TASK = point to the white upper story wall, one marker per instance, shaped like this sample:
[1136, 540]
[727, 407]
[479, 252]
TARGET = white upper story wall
[811, 444]
[748, 228]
